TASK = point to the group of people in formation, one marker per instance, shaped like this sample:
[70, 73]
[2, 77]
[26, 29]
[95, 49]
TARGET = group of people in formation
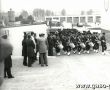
[59, 42]
[72, 40]
[31, 46]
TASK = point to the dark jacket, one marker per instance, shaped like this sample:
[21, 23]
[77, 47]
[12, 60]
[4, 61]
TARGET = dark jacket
[30, 48]
[8, 62]
[103, 40]
[24, 47]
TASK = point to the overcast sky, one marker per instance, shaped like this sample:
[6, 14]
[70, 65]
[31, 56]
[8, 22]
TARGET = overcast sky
[55, 5]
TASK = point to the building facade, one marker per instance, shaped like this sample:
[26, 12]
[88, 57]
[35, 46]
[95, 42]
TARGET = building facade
[11, 15]
[84, 19]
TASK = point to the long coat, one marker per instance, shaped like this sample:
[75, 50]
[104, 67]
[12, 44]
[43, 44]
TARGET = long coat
[30, 48]
[8, 62]
[24, 47]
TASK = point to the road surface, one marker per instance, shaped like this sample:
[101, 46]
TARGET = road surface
[63, 73]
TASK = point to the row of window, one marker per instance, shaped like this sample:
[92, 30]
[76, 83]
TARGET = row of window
[75, 20]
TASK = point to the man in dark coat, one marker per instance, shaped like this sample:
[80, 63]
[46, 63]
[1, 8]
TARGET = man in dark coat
[30, 50]
[103, 43]
[5, 50]
[24, 50]
[50, 45]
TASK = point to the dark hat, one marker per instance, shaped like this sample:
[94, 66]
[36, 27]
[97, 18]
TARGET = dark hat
[103, 33]
[42, 34]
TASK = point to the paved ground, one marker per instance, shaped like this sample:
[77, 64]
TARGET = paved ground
[63, 73]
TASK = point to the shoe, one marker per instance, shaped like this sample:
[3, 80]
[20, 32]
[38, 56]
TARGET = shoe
[29, 66]
[5, 76]
[42, 65]
[10, 76]
[25, 64]
[46, 65]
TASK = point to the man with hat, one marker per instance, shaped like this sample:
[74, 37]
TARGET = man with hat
[42, 48]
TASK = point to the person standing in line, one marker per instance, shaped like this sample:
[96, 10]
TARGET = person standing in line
[24, 50]
[30, 50]
[43, 47]
[103, 43]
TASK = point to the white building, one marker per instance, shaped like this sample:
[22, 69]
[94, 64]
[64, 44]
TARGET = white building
[84, 19]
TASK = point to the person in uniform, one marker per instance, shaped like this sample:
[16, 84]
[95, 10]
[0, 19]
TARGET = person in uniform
[8, 64]
[64, 40]
[74, 41]
[103, 43]
[50, 45]
[87, 45]
[96, 44]
[78, 45]
[57, 43]
[43, 47]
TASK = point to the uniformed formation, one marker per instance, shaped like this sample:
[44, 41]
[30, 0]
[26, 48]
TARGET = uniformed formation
[58, 43]
[77, 42]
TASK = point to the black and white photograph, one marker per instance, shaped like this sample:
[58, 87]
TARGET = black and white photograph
[54, 44]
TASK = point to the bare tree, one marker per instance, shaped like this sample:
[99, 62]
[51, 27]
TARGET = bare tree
[90, 12]
[24, 14]
[82, 12]
[63, 12]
